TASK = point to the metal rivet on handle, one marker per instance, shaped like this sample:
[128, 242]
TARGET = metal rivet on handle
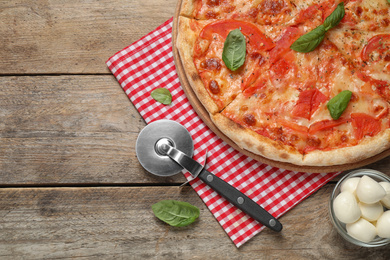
[240, 200]
[209, 178]
[272, 222]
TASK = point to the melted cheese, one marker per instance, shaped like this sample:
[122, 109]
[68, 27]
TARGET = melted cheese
[264, 12]
[272, 105]
[266, 106]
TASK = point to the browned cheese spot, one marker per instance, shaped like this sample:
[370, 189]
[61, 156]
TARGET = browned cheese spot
[314, 142]
[211, 64]
[214, 87]
[250, 119]
[195, 77]
[212, 3]
[344, 138]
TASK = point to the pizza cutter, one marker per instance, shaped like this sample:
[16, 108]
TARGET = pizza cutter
[165, 148]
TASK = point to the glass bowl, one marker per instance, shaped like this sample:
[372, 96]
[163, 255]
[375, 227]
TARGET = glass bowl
[341, 227]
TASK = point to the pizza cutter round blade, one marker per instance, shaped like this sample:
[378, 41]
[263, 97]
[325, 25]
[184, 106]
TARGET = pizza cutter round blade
[165, 147]
[168, 131]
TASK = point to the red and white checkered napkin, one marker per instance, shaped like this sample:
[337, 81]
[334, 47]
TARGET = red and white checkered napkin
[148, 64]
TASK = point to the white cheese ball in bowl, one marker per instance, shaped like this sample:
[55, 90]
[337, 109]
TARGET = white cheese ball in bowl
[358, 208]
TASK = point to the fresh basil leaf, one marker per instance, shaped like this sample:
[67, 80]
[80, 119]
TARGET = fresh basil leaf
[162, 95]
[234, 50]
[335, 17]
[175, 213]
[310, 40]
[339, 103]
[388, 1]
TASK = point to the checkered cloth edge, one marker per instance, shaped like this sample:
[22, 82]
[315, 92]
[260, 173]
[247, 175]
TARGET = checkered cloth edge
[148, 64]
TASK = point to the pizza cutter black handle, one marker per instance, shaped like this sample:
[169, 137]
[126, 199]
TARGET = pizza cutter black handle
[240, 200]
[234, 196]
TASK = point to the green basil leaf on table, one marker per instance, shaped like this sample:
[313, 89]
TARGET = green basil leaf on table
[335, 17]
[234, 50]
[175, 213]
[162, 95]
[339, 103]
[309, 41]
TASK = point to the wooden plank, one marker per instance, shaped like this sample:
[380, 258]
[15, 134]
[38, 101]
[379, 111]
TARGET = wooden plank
[382, 166]
[73, 129]
[69, 129]
[117, 222]
[76, 36]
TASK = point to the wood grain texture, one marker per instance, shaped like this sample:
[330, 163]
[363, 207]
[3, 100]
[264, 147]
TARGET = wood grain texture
[61, 132]
[73, 129]
[69, 129]
[117, 223]
[76, 36]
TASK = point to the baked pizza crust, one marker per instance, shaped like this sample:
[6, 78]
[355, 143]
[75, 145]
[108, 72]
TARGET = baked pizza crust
[185, 43]
[255, 143]
[367, 148]
[187, 8]
[276, 151]
[248, 139]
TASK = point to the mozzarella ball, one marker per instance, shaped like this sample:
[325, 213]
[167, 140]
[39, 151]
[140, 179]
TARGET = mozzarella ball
[383, 225]
[346, 208]
[350, 185]
[386, 200]
[371, 212]
[362, 230]
[369, 190]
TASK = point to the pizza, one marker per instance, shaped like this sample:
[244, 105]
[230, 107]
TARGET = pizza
[294, 81]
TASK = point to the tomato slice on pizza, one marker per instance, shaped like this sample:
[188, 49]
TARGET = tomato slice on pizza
[283, 104]
[218, 82]
[289, 109]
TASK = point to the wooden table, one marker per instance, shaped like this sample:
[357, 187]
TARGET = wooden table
[71, 185]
